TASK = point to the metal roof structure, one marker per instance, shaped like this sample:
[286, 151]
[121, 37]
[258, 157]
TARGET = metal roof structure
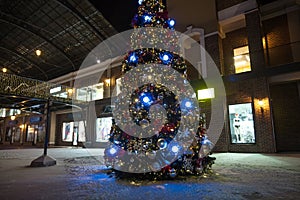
[64, 30]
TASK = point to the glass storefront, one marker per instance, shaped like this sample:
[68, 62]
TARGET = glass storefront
[103, 126]
[73, 132]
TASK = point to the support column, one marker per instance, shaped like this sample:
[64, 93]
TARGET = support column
[90, 125]
[254, 33]
[45, 160]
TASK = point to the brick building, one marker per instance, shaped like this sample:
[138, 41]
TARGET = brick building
[254, 44]
[260, 65]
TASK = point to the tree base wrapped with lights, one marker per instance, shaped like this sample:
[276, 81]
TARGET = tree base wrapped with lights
[154, 134]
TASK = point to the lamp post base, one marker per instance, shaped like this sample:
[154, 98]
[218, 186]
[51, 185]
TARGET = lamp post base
[43, 161]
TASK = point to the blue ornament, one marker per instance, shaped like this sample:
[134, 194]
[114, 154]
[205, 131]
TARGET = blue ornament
[162, 143]
[133, 58]
[186, 104]
[174, 147]
[171, 23]
[147, 18]
[111, 151]
[166, 57]
[146, 99]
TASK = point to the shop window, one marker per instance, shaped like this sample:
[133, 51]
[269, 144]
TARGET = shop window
[118, 86]
[241, 123]
[2, 112]
[81, 131]
[14, 112]
[242, 59]
[32, 134]
[103, 126]
[67, 135]
[90, 93]
[97, 91]
[81, 94]
[73, 132]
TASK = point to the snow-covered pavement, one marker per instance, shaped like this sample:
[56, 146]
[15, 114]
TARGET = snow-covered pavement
[80, 174]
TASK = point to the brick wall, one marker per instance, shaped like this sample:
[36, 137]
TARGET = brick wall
[213, 46]
[277, 36]
[252, 90]
[233, 40]
[254, 35]
[286, 109]
[223, 4]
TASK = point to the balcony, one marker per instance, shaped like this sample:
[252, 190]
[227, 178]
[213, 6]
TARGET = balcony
[282, 54]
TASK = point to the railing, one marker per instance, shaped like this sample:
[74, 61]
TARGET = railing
[282, 54]
[274, 56]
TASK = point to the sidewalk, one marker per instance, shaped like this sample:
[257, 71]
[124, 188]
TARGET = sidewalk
[78, 175]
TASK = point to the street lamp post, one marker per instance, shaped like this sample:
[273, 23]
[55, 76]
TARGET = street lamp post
[45, 160]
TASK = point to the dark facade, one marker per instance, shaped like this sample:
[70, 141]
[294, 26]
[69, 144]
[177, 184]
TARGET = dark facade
[270, 32]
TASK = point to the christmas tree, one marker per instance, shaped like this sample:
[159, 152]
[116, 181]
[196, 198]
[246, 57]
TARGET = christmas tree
[156, 131]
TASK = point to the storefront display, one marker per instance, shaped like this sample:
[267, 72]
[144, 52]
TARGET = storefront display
[81, 131]
[241, 123]
[67, 134]
[103, 126]
[30, 134]
[73, 132]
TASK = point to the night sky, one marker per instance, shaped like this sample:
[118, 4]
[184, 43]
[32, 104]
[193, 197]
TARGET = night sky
[118, 12]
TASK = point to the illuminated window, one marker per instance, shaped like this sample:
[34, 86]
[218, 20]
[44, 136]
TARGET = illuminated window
[242, 60]
[97, 91]
[90, 93]
[206, 94]
[118, 86]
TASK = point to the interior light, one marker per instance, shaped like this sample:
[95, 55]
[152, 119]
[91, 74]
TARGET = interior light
[70, 91]
[107, 82]
[261, 105]
[4, 70]
[206, 94]
[237, 57]
[12, 117]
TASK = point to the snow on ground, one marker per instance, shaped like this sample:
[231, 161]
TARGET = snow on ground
[80, 174]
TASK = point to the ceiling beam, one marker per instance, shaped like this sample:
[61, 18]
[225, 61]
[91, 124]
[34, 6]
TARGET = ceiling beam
[69, 7]
[26, 59]
[32, 29]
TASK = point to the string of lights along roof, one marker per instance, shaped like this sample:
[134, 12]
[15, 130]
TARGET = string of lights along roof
[128, 155]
